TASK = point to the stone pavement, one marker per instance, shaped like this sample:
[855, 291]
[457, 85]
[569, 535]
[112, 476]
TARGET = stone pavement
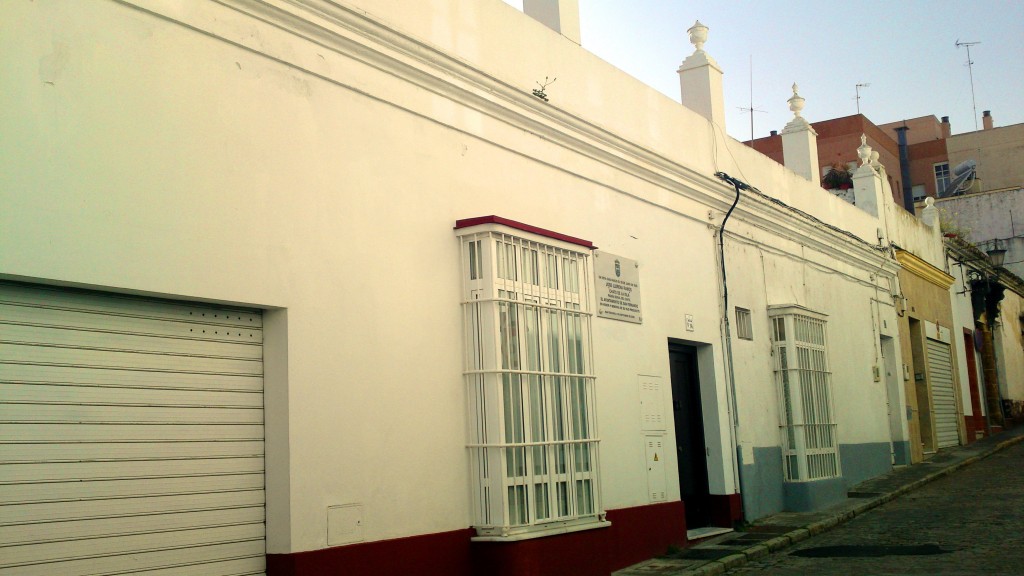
[752, 551]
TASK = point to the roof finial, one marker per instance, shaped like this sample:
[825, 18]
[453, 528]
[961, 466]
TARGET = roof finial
[796, 102]
[864, 151]
[698, 35]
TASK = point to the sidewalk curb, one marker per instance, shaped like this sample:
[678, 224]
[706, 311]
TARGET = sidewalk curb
[800, 534]
[855, 506]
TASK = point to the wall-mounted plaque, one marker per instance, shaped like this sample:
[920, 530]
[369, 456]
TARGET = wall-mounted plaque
[617, 284]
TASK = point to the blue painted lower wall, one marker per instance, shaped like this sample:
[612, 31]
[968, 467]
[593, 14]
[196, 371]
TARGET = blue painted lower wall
[761, 482]
[862, 461]
[765, 491]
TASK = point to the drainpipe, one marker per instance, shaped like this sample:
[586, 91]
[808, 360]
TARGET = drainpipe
[908, 191]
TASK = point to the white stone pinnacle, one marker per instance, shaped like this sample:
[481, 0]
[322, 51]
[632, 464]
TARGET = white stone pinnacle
[796, 102]
[698, 35]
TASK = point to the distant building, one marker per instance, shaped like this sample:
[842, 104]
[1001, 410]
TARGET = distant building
[933, 153]
[988, 219]
[998, 152]
[837, 143]
[928, 166]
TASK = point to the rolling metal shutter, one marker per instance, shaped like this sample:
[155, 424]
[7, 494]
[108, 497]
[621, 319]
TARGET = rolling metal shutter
[940, 371]
[131, 436]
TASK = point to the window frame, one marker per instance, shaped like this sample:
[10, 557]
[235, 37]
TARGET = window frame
[744, 323]
[947, 177]
[532, 439]
[919, 192]
[807, 424]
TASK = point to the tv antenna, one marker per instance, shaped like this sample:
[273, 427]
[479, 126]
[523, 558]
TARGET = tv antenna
[752, 109]
[970, 71]
[857, 90]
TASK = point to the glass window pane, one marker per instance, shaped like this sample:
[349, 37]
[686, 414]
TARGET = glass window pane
[563, 498]
[551, 271]
[584, 497]
[540, 499]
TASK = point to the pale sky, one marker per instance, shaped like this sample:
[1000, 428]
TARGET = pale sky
[905, 50]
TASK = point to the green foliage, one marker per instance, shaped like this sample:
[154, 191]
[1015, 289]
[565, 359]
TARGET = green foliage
[838, 177]
[950, 225]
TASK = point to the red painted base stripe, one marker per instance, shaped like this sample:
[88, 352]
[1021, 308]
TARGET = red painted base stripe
[443, 554]
[636, 534]
[726, 510]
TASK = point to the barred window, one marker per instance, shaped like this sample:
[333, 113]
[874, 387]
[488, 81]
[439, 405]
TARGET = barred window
[533, 433]
[807, 422]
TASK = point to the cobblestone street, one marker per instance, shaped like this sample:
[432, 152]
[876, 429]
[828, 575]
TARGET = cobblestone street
[969, 523]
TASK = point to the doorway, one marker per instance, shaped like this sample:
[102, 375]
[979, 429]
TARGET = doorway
[691, 451]
[920, 387]
[897, 451]
[976, 423]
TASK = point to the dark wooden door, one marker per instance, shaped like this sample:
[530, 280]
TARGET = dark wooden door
[689, 426]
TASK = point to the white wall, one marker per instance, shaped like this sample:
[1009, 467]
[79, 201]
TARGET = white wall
[1009, 349]
[766, 272]
[963, 318]
[991, 216]
[910, 233]
[204, 154]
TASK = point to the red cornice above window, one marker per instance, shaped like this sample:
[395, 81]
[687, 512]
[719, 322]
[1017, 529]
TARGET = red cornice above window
[468, 222]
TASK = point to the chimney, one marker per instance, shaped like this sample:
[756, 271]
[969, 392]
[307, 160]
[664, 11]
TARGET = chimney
[700, 80]
[800, 142]
[986, 119]
[947, 130]
[562, 16]
[774, 133]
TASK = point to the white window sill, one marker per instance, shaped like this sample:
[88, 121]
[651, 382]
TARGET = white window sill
[553, 529]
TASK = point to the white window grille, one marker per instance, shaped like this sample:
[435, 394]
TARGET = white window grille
[533, 433]
[809, 444]
[744, 324]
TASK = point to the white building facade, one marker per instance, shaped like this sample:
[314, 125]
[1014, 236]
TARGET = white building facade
[291, 287]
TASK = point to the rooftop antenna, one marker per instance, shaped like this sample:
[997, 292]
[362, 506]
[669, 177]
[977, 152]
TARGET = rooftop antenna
[857, 89]
[752, 109]
[970, 71]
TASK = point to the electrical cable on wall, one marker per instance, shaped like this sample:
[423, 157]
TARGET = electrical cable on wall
[738, 185]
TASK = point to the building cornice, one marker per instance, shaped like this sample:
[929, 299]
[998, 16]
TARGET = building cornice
[357, 36]
[922, 269]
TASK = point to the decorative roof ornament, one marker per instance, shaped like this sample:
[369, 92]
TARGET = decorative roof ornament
[864, 151]
[698, 35]
[796, 102]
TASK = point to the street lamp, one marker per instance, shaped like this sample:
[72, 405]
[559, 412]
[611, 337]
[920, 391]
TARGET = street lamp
[996, 255]
[986, 293]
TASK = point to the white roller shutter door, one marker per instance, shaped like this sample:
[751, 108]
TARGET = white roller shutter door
[940, 371]
[131, 436]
